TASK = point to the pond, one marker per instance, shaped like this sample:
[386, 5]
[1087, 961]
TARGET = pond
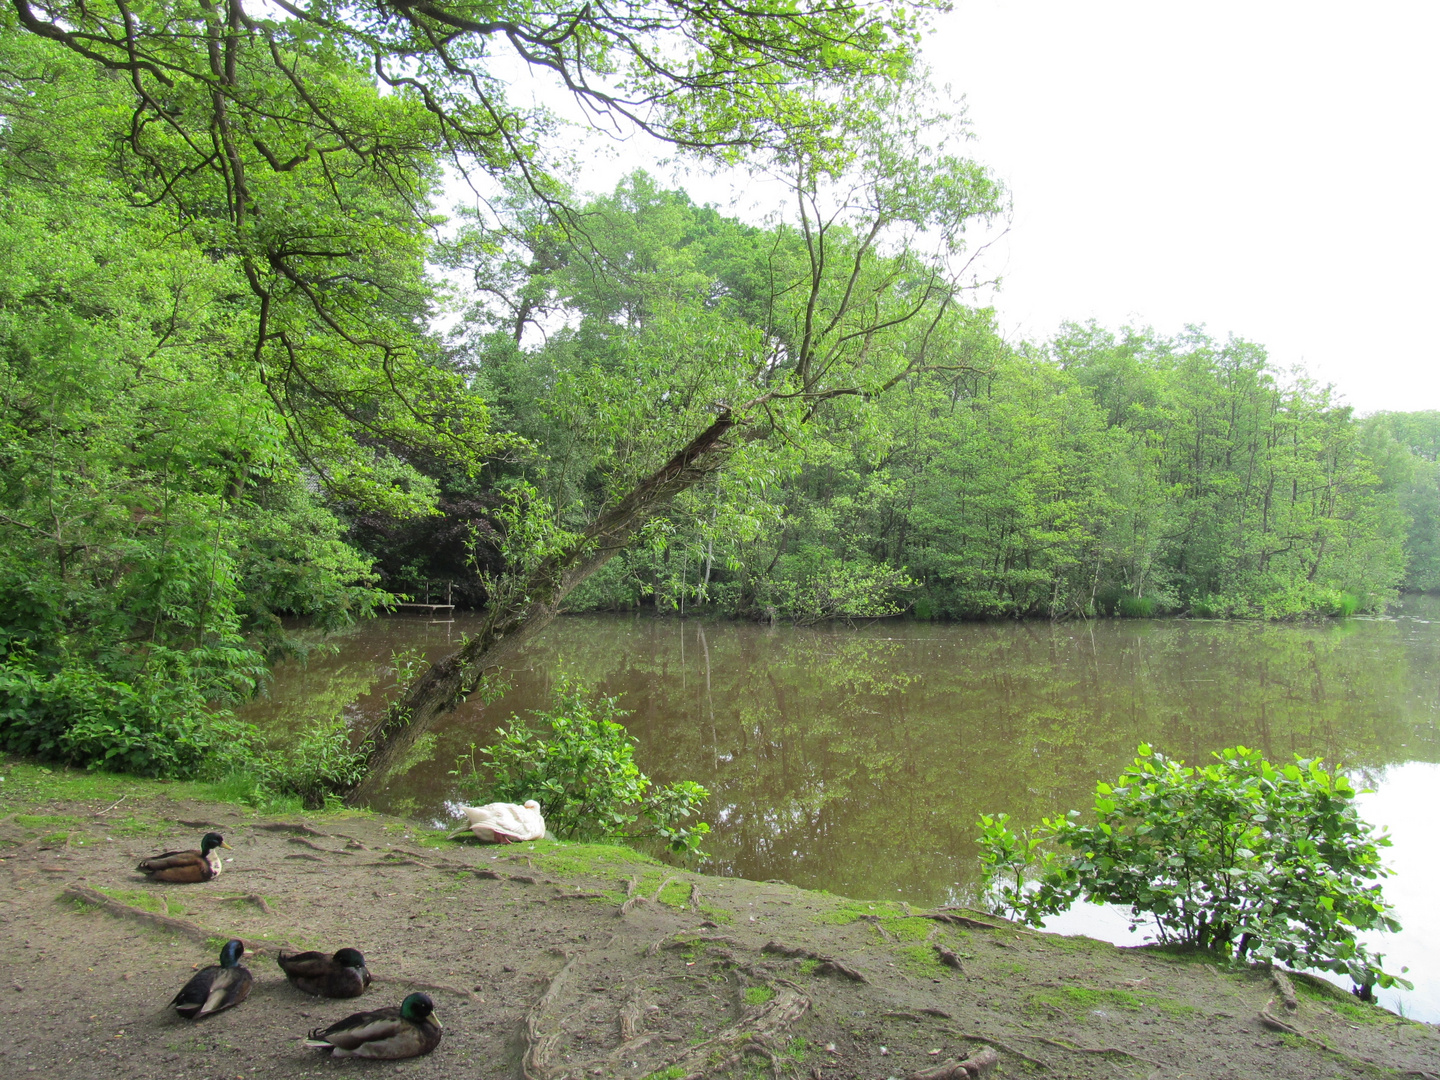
[856, 759]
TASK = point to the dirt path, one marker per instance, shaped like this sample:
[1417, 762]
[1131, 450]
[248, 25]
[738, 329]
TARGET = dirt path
[558, 960]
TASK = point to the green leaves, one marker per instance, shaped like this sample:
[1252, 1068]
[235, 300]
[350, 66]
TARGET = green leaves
[1238, 857]
[578, 761]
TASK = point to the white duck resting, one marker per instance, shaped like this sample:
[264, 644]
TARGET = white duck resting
[505, 823]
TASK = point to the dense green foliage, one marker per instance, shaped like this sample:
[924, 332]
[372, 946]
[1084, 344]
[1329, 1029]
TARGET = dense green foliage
[1237, 856]
[156, 518]
[1101, 474]
[1405, 448]
[223, 405]
[578, 762]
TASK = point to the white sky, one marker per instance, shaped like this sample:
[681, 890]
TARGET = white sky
[1264, 168]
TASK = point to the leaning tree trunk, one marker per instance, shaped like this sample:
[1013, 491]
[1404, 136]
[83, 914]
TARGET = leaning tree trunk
[527, 605]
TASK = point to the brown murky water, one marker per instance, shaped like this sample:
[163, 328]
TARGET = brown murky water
[857, 759]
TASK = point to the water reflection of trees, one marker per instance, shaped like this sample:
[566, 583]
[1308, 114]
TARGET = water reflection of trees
[858, 760]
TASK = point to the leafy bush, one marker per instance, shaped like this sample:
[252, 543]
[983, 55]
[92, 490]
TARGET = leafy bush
[578, 762]
[1135, 607]
[154, 723]
[1239, 856]
[316, 768]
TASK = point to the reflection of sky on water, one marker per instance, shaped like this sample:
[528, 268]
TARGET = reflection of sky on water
[1406, 800]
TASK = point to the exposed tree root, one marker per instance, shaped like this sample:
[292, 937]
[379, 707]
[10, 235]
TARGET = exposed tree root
[1093, 1049]
[986, 1039]
[632, 1015]
[635, 897]
[316, 847]
[697, 939]
[828, 965]
[874, 920]
[167, 923]
[956, 919]
[1285, 988]
[747, 1035]
[1274, 1023]
[578, 896]
[948, 958]
[403, 980]
[973, 1067]
[286, 826]
[538, 1046]
[1004, 1047]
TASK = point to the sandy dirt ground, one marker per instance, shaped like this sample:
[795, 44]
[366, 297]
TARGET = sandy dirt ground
[552, 961]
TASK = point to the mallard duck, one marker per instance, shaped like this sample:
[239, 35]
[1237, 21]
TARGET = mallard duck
[504, 823]
[406, 1032]
[187, 866]
[340, 976]
[216, 987]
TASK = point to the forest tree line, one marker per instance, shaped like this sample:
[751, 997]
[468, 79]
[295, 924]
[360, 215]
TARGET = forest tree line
[226, 409]
[1098, 473]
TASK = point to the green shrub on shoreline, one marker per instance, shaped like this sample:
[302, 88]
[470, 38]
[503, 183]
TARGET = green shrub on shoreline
[578, 761]
[1239, 857]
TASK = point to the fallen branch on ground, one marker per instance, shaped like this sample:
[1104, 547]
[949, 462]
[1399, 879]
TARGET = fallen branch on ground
[117, 802]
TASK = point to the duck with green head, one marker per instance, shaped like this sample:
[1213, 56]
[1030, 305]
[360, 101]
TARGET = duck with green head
[343, 975]
[387, 1034]
[216, 987]
[187, 866]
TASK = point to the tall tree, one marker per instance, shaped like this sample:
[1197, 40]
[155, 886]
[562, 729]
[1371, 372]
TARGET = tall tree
[861, 290]
[272, 147]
